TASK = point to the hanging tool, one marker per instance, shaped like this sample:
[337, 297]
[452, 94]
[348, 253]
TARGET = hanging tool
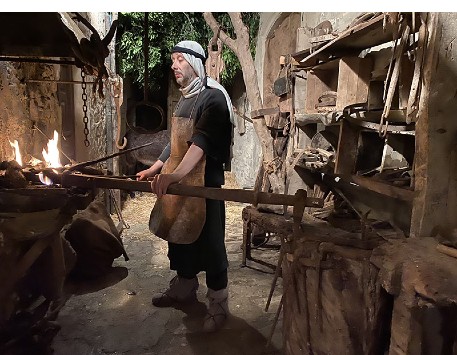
[215, 64]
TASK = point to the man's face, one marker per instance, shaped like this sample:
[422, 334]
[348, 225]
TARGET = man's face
[184, 73]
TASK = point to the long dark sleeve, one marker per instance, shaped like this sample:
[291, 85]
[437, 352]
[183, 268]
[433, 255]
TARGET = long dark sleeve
[165, 153]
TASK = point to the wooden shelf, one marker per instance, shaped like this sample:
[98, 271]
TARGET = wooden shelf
[349, 77]
[352, 40]
[353, 81]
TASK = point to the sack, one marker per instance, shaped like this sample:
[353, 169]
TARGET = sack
[96, 241]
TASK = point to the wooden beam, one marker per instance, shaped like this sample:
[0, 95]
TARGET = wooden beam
[379, 187]
[347, 149]
[214, 193]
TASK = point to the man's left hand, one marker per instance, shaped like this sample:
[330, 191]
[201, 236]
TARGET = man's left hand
[160, 183]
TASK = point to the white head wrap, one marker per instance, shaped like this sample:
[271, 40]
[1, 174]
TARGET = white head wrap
[194, 53]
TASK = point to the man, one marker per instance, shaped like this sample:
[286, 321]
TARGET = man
[195, 240]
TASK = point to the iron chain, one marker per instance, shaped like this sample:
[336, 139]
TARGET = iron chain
[85, 118]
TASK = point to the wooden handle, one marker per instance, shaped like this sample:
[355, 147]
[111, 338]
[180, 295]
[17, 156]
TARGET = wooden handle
[238, 195]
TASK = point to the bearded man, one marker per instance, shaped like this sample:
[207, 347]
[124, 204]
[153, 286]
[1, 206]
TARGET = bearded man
[201, 132]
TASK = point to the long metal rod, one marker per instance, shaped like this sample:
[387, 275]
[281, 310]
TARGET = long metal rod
[93, 162]
[36, 60]
[57, 81]
[213, 193]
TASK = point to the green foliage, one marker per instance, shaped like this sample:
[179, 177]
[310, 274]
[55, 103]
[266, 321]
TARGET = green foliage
[165, 30]
[232, 65]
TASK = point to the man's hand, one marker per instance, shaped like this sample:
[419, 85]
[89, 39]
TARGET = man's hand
[144, 175]
[151, 172]
[160, 183]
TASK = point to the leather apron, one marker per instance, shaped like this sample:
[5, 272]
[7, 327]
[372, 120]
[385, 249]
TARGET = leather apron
[180, 219]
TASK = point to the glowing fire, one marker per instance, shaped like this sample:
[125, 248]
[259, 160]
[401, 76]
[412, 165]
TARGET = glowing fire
[44, 179]
[17, 152]
[51, 156]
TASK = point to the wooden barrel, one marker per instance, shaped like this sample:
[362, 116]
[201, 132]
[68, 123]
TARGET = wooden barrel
[333, 302]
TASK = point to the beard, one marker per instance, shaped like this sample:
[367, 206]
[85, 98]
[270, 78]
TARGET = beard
[184, 79]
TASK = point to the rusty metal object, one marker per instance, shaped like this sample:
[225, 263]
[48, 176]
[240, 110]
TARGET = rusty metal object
[91, 52]
[215, 64]
[117, 86]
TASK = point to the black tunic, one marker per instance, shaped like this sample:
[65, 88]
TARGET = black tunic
[212, 133]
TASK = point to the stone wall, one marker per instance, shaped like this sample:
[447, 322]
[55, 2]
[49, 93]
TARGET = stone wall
[246, 149]
[31, 111]
[25, 105]
[247, 152]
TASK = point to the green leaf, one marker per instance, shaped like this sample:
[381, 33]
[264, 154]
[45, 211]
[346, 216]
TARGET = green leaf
[165, 30]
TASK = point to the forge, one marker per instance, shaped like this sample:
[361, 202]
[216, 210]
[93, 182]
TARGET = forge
[34, 256]
[37, 250]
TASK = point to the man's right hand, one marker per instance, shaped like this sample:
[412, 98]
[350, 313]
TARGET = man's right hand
[143, 175]
[151, 172]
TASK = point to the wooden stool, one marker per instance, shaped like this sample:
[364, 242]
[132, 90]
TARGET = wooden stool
[269, 222]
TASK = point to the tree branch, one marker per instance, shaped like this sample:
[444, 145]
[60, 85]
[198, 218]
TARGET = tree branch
[240, 46]
[215, 26]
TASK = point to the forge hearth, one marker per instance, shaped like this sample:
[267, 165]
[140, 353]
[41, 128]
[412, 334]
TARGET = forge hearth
[42, 198]
[34, 257]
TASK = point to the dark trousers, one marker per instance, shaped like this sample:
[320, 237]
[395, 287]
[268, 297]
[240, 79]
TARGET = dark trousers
[215, 282]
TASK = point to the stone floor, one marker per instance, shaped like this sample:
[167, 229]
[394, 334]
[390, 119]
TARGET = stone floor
[115, 315]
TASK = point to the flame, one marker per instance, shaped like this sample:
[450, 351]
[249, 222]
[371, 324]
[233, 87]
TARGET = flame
[17, 152]
[51, 156]
[44, 179]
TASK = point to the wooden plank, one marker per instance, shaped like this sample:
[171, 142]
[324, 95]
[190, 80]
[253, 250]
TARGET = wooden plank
[353, 81]
[375, 93]
[255, 114]
[318, 82]
[285, 105]
[347, 149]
[313, 86]
[379, 187]
[23, 265]
[58, 266]
[404, 83]
[347, 82]
[364, 35]
[315, 230]
[424, 215]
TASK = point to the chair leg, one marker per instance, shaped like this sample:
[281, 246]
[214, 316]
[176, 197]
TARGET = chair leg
[247, 232]
[275, 278]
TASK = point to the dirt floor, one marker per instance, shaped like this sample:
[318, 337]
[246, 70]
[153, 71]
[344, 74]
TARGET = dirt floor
[115, 315]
